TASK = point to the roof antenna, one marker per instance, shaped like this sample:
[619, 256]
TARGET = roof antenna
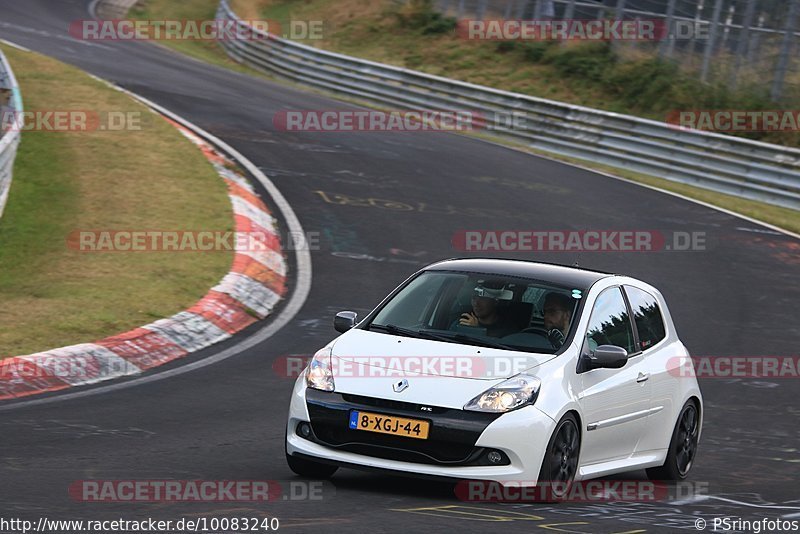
[575, 264]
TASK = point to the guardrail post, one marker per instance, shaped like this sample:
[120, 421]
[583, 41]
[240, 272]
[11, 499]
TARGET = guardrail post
[667, 45]
[744, 36]
[570, 11]
[522, 10]
[786, 48]
[620, 10]
[537, 9]
[754, 49]
[726, 31]
[698, 19]
[712, 38]
[482, 9]
[509, 7]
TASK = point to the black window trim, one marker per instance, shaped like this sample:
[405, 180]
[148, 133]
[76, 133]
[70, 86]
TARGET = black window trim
[630, 321]
[366, 322]
[636, 328]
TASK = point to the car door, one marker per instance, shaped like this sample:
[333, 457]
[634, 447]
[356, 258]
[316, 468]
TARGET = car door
[615, 402]
[657, 352]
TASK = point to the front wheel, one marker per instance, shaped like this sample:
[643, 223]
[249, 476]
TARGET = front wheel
[682, 447]
[560, 463]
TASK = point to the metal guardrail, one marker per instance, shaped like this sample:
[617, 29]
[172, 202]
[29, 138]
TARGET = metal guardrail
[726, 164]
[12, 122]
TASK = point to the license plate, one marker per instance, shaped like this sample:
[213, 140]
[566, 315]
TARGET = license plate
[389, 424]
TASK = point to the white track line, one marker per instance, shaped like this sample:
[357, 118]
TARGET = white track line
[15, 45]
[293, 306]
[641, 184]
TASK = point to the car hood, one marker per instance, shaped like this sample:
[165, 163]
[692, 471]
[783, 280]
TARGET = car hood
[363, 354]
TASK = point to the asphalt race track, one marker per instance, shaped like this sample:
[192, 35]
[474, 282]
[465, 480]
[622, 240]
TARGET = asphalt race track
[226, 421]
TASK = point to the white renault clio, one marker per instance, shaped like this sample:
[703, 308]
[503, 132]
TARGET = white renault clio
[501, 370]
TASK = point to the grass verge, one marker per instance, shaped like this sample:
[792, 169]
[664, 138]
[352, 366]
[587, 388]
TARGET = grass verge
[623, 77]
[152, 179]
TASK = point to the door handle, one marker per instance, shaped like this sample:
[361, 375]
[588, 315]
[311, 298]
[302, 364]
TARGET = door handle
[642, 377]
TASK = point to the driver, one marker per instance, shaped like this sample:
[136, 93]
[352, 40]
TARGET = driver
[557, 314]
[486, 312]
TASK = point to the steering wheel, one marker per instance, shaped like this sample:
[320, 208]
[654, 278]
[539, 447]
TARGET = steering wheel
[534, 330]
[554, 336]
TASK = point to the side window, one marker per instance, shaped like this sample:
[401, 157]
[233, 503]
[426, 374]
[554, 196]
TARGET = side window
[647, 316]
[609, 323]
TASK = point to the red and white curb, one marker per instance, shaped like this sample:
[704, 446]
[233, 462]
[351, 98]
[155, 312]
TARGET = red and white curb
[249, 292]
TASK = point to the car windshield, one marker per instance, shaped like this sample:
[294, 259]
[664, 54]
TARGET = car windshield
[480, 309]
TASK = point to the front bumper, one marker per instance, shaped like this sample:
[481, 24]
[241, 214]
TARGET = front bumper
[454, 450]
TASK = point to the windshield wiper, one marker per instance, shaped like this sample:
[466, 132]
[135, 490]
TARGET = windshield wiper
[437, 336]
[394, 329]
[478, 341]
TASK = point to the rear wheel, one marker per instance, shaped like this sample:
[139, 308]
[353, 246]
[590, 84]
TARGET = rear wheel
[682, 447]
[560, 463]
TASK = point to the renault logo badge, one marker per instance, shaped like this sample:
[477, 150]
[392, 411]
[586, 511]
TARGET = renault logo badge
[400, 386]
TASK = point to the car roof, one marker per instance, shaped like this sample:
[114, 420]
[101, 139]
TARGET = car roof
[574, 277]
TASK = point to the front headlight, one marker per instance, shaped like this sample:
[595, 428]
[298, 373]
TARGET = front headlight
[319, 373]
[514, 393]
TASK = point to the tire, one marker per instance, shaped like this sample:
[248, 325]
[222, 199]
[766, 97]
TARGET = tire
[682, 446]
[308, 469]
[560, 464]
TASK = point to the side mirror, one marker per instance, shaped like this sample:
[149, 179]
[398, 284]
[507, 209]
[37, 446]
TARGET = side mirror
[344, 321]
[607, 357]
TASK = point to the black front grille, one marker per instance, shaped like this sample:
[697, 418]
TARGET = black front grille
[392, 404]
[451, 440]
